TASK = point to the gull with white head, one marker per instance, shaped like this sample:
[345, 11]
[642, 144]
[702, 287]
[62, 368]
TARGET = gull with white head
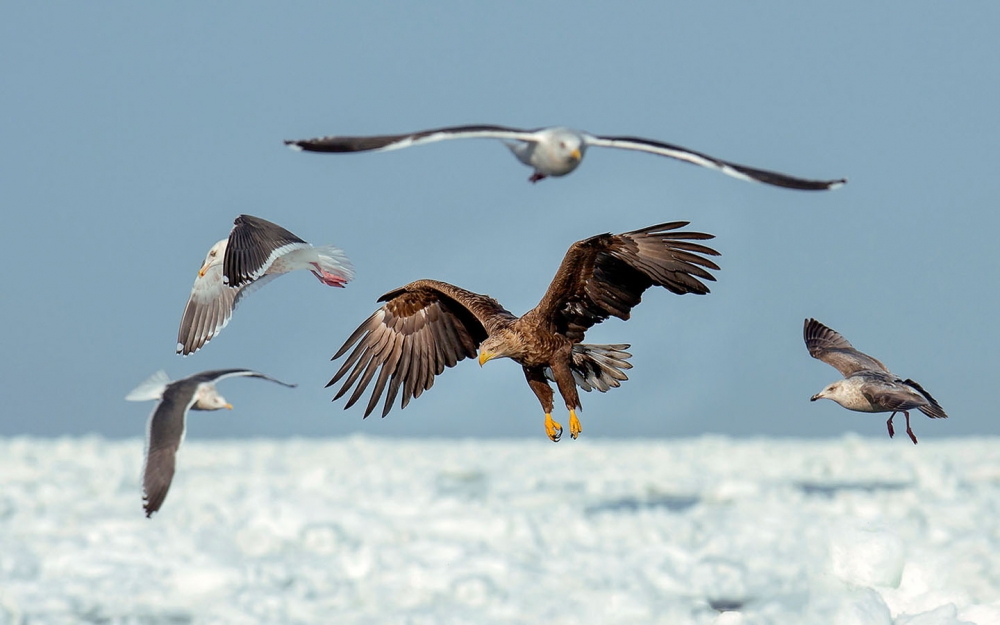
[868, 386]
[256, 252]
[165, 429]
[556, 151]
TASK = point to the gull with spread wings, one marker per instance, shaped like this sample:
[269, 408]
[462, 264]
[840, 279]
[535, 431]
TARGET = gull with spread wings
[168, 422]
[868, 386]
[556, 151]
[255, 252]
[427, 325]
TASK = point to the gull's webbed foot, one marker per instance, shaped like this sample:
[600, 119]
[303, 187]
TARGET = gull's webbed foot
[328, 278]
[574, 425]
[889, 425]
[913, 437]
[553, 429]
[535, 177]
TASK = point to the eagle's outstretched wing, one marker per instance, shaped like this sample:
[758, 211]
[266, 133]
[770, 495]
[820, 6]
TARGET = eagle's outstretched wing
[606, 275]
[423, 327]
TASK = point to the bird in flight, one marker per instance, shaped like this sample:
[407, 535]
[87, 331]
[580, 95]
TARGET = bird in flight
[167, 423]
[556, 151]
[427, 325]
[868, 386]
[256, 252]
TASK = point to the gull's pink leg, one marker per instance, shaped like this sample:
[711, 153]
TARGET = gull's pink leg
[889, 423]
[908, 430]
[535, 177]
[328, 278]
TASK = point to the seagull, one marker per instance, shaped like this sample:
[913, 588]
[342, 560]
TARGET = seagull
[256, 252]
[556, 151]
[165, 429]
[868, 385]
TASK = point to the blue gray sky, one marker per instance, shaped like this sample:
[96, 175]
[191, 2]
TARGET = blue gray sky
[133, 134]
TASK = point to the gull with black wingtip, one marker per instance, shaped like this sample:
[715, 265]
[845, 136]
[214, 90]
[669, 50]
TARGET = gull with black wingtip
[256, 252]
[556, 151]
[168, 422]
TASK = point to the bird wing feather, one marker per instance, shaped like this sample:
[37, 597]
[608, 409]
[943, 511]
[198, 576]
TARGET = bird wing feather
[340, 144]
[164, 433]
[209, 309]
[606, 275]
[933, 409]
[214, 375]
[831, 347]
[253, 246]
[735, 170]
[887, 392]
[422, 329]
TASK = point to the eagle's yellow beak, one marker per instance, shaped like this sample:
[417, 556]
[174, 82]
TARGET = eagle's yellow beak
[485, 356]
[229, 406]
[576, 154]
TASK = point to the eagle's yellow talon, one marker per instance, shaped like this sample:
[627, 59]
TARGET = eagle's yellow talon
[574, 425]
[553, 429]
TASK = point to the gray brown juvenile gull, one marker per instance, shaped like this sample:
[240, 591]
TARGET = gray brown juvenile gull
[256, 252]
[427, 325]
[868, 386]
[556, 151]
[165, 429]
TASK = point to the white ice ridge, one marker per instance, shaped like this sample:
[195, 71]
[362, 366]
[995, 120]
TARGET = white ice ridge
[365, 530]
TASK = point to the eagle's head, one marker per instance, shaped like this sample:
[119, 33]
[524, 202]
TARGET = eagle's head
[503, 344]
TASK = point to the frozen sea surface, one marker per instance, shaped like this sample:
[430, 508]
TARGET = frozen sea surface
[363, 530]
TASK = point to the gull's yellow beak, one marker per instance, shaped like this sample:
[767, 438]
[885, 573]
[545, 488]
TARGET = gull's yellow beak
[484, 356]
[229, 406]
[576, 154]
[201, 272]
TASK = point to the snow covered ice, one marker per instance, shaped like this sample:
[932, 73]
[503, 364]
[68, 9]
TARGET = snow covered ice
[365, 530]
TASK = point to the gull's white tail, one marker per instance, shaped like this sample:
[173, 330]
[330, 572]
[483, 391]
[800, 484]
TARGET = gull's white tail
[335, 269]
[150, 389]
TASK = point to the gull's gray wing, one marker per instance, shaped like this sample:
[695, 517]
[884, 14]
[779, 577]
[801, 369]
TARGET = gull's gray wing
[210, 308]
[697, 158]
[832, 348]
[377, 143]
[166, 426]
[933, 409]
[254, 244]
[888, 392]
[164, 433]
[214, 375]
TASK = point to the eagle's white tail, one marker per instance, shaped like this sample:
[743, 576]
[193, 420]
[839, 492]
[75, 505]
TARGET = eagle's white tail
[598, 366]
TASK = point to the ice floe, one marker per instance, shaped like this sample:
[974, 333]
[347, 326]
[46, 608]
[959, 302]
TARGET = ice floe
[365, 530]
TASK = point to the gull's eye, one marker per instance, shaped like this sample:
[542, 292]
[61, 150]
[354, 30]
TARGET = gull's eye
[212, 254]
[562, 144]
